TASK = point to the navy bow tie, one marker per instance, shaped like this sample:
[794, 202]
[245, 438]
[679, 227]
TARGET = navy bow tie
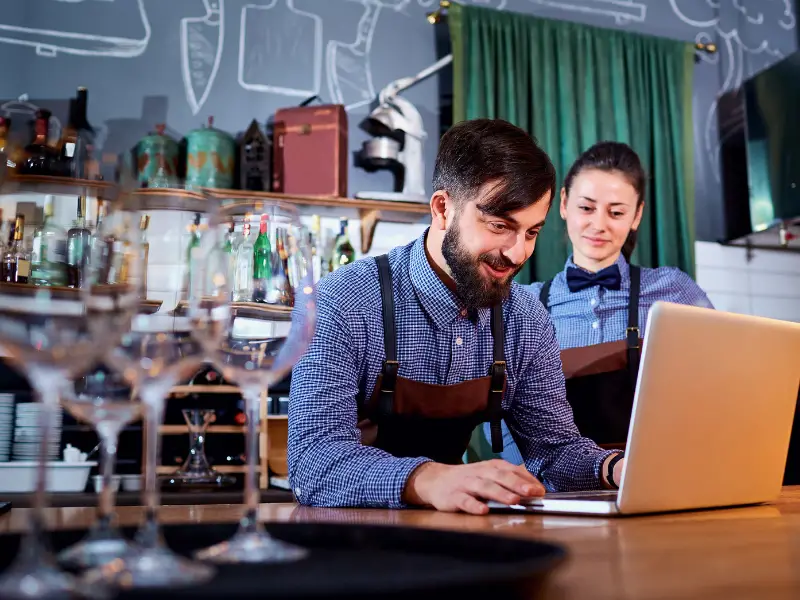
[578, 279]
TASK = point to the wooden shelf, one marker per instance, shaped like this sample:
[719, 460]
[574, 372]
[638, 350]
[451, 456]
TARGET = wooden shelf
[369, 212]
[203, 389]
[168, 470]
[64, 186]
[184, 430]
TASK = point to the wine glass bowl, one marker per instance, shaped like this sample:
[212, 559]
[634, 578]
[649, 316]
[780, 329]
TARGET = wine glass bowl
[252, 309]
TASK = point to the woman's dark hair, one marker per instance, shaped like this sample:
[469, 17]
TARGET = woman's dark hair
[478, 151]
[613, 157]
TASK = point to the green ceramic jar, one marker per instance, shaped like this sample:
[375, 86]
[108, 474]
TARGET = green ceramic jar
[210, 158]
[157, 160]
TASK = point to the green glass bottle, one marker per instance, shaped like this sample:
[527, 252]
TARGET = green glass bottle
[262, 262]
[343, 253]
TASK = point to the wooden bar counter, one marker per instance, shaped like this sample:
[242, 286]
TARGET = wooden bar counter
[748, 552]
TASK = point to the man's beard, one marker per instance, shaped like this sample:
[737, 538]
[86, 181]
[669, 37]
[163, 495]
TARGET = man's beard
[475, 289]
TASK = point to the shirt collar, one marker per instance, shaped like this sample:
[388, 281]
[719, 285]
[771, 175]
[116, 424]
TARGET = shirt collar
[624, 269]
[437, 300]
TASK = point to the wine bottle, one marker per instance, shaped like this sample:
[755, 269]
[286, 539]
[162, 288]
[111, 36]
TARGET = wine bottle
[262, 262]
[16, 260]
[343, 252]
[79, 245]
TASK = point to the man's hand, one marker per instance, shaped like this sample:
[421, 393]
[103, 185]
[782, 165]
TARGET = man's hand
[452, 488]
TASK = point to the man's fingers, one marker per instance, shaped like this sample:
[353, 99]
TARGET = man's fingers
[471, 505]
[488, 489]
[514, 482]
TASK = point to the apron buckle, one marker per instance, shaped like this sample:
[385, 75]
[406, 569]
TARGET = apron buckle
[632, 342]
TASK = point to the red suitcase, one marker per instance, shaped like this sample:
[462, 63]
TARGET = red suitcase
[310, 151]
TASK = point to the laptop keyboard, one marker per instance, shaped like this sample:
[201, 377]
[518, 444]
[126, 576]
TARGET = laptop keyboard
[599, 495]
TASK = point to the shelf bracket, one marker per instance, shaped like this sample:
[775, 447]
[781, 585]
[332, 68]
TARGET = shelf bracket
[369, 219]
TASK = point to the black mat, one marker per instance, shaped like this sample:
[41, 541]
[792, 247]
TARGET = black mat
[359, 561]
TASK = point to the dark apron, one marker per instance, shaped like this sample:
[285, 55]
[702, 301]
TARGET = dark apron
[409, 419]
[601, 379]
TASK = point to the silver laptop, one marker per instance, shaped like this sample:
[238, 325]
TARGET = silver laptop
[712, 416]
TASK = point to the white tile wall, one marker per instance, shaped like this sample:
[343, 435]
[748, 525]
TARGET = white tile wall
[767, 285]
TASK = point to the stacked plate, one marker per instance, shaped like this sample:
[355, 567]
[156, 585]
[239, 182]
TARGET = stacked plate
[6, 425]
[28, 434]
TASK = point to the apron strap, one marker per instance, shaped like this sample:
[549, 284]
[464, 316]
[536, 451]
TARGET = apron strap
[544, 294]
[390, 365]
[632, 331]
[497, 382]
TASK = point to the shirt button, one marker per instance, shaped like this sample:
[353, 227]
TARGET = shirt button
[595, 325]
[593, 301]
[459, 341]
[297, 491]
[463, 312]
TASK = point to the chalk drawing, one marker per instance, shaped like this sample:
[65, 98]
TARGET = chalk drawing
[280, 49]
[734, 53]
[92, 30]
[623, 11]
[202, 39]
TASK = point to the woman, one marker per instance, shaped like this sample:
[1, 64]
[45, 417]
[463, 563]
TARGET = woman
[599, 303]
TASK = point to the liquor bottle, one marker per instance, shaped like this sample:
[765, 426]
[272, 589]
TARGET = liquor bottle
[245, 267]
[48, 257]
[79, 246]
[343, 252]
[281, 291]
[144, 249]
[314, 240]
[40, 158]
[262, 262]
[16, 260]
[9, 151]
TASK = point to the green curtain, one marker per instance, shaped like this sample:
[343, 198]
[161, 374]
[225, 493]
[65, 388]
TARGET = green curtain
[571, 85]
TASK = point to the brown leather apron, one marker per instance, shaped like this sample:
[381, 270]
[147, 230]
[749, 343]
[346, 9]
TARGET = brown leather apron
[409, 418]
[601, 379]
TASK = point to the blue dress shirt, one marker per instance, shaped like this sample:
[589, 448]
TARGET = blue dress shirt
[597, 315]
[439, 344]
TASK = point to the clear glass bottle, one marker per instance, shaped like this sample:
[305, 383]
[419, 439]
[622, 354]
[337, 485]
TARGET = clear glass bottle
[49, 254]
[343, 252]
[144, 249]
[245, 266]
[79, 246]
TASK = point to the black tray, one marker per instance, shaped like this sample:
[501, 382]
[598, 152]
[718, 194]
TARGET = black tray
[358, 561]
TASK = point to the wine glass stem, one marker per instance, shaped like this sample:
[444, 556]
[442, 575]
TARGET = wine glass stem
[252, 402]
[154, 413]
[47, 391]
[109, 438]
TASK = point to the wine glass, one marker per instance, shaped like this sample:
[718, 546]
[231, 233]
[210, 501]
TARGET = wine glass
[103, 399]
[157, 353]
[53, 333]
[254, 316]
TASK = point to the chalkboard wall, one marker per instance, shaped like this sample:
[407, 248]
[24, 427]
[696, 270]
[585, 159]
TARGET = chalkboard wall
[181, 61]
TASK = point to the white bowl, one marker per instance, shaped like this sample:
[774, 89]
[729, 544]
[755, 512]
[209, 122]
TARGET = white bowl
[131, 483]
[20, 476]
[97, 480]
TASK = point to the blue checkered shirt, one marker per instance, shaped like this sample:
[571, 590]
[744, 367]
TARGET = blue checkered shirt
[437, 344]
[596, 315]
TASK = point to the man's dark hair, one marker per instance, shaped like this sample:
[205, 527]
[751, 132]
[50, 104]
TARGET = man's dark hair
[475, 152]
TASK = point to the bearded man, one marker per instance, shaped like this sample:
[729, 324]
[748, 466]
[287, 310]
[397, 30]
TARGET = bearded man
[415, 348]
